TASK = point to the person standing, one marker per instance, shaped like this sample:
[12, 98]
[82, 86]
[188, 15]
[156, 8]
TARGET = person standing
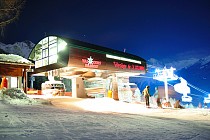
[146, 95]
[157, 98]
[177, 104]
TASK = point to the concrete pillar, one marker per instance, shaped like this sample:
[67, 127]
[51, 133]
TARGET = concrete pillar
[78, 90]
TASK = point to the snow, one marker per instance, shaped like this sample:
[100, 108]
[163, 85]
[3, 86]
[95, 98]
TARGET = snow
[183, 63]
[96, 118]
[205, 60]
[180, 61]
[178, 64]
[15, 96]
[14, 59]
[20, 48]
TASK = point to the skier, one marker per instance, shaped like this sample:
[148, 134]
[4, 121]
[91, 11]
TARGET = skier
[146, 95]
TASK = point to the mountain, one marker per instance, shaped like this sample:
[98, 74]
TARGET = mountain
[19, 48]
[2, 51]
[198, 75]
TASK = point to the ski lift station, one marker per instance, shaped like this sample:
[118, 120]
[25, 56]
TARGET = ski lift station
[79, 69]
[60, 66]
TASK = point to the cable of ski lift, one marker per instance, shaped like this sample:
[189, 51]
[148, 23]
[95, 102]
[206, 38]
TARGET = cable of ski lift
[200, 90]
[188, 93]
[203, 91]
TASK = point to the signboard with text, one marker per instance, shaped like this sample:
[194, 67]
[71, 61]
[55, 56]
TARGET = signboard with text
[88, 59]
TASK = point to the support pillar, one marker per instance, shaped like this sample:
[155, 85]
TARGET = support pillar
[24, 81]
[166, 88]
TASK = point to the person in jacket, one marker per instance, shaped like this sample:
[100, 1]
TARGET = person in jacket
[146, 95]
[177, 104]
[157, 98]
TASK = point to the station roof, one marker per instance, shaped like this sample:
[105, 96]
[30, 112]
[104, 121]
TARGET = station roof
[76, 53]
[100, 49]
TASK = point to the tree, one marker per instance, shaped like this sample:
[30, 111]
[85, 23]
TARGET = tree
[9, 12]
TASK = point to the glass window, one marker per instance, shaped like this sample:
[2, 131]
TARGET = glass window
[53, 59]
[44, 53]
[38, 46]
[52, 39]
[38, 54]
[45, 40]
[53, 49]
[38, 63]
[44, 46]
[45, 61]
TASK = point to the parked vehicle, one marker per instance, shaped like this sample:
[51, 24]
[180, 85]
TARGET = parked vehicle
[53, 88]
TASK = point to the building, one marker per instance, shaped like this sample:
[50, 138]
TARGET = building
[15, 68]
[91, 69]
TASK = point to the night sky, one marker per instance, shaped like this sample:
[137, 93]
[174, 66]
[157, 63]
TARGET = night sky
[147, 28]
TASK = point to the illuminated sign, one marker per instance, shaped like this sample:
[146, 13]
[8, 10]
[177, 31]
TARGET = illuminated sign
[90, 63]
[128, 66]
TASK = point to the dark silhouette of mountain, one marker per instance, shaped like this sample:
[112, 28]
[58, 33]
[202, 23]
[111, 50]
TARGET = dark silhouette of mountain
[2, 51]
[19, 48]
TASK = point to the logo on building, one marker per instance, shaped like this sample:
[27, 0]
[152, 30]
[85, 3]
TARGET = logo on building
[90, 63]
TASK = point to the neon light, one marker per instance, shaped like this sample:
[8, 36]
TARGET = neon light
[90, 63]
[122, 58]
[91, 66]
[124, 66]
[120, 65]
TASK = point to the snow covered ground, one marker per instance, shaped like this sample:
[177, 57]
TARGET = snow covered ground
[101, 118]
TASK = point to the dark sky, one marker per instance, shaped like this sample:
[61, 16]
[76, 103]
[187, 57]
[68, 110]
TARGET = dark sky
[147, 28]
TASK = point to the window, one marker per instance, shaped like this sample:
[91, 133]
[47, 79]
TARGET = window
[38, 54]
[53, 49]
[45, 61]
[46, 51]
[52, 40]
[53, 59]
[38, 63]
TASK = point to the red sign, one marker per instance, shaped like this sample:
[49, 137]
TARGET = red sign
[128, 66]
[90, 63]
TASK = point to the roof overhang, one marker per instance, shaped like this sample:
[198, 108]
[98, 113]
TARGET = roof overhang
[12, 69]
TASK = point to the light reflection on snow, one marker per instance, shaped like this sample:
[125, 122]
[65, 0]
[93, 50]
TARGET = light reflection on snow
[110, 105]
